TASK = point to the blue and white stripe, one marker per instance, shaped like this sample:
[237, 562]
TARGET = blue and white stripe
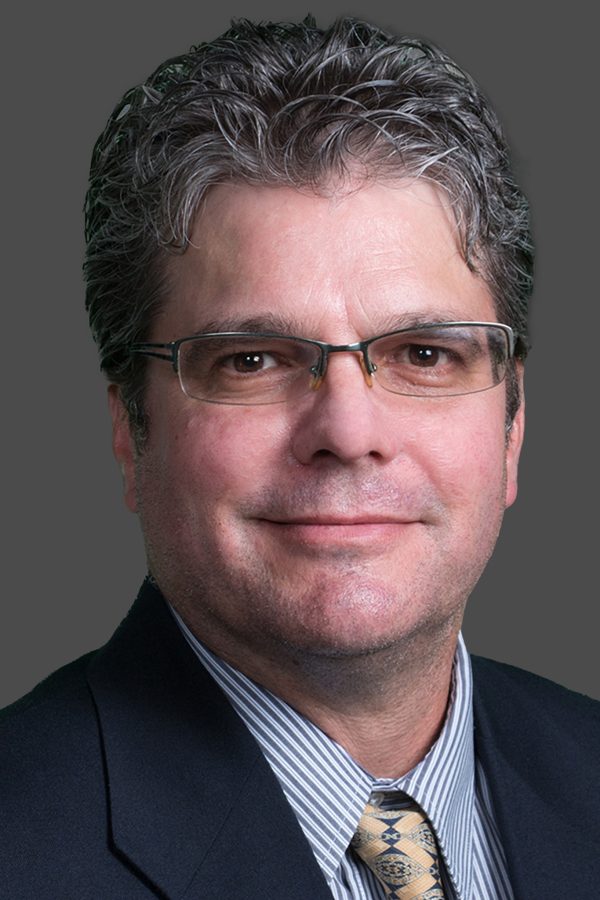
[328, 790]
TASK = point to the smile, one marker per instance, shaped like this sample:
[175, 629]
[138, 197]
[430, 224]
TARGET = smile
[333, 531]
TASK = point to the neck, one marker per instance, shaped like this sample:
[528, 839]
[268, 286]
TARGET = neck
[385, 708]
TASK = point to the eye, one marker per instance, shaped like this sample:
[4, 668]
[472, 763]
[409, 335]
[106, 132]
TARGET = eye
[423, 356]
[249, 362]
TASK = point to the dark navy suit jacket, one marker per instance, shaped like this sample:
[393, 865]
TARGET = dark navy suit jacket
[128, 775]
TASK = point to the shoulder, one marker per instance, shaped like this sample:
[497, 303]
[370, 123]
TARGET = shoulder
[498, 675]
[538, 745]
[503, 683]
[52, 789]
[55, 704]
[48, 734]
[531, 718]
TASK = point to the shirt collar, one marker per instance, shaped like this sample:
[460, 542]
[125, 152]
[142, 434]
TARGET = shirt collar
[328, 790]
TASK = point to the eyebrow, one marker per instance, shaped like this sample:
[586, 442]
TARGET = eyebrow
[437, 316]
[254, 324]
[291, 326]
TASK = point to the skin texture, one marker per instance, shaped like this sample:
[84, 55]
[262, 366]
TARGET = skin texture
[325, 547]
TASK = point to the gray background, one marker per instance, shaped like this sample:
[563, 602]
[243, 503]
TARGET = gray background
[73, 556]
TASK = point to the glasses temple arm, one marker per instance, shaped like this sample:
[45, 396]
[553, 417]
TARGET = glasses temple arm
[142, 351]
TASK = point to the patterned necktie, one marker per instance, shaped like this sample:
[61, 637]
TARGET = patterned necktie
[399, 847]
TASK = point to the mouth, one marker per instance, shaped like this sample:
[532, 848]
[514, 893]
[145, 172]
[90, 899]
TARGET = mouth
[332, 531]
[341, 521]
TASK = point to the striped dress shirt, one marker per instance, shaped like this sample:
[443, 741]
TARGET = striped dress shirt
[328, 790]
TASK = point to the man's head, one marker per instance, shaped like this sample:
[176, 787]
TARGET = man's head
[290, 105]
[332, 187]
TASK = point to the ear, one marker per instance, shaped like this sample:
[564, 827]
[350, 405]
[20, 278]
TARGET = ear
[123, 445]
[514, 442]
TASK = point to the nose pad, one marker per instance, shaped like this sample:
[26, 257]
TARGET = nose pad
[367, 372]
[318, 377]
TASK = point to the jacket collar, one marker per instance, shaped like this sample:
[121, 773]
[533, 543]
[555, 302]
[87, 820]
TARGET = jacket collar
[196, 810]
[529, 739]
[193, 805]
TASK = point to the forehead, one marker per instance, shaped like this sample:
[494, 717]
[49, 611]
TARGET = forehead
[358, 260]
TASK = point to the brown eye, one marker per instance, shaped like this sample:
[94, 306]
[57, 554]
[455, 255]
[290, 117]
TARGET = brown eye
[248, 363]
[423, 356]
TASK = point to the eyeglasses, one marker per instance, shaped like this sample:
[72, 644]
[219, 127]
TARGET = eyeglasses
[442, 359]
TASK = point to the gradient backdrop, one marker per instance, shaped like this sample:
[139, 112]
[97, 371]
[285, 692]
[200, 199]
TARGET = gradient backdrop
[73, 556]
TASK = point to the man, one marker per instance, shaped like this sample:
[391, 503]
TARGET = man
[308, 269]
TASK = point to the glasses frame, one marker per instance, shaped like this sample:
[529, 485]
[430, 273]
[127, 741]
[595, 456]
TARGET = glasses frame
[319, 370]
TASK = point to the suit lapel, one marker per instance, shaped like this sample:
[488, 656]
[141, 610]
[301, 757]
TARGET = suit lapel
[538, 784]
[193, 805]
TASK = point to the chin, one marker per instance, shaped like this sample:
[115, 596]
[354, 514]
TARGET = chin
[364, 622]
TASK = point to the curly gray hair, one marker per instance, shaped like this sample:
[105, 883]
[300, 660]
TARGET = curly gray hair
[290, 104]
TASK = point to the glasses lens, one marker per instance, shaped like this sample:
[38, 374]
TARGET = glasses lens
[441, 360]
[246, 369]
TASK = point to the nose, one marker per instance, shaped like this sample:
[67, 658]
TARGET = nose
[345, 419]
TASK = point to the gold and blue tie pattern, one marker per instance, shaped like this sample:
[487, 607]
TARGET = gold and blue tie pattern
[399, 847]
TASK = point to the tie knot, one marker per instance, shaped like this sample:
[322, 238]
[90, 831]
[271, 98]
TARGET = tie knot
[399, 847]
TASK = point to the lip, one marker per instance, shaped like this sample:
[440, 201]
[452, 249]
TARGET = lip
[335, 531]
[340, 521]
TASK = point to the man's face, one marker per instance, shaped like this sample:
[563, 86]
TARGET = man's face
[349, 519]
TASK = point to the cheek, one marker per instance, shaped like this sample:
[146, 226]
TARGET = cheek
[218, 453]
[463, 453]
